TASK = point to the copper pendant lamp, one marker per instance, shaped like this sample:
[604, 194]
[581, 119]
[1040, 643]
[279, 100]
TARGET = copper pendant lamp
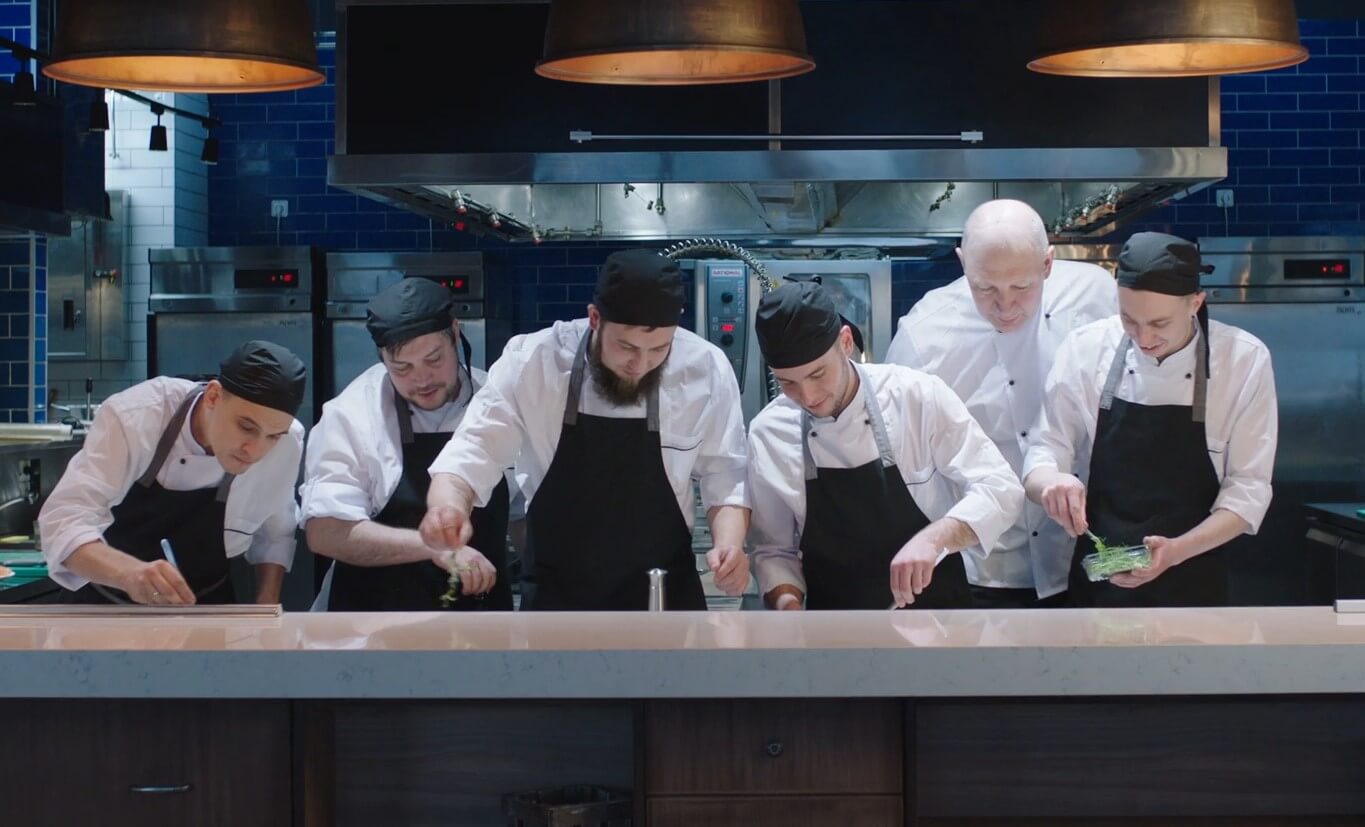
[185, 45]
[1169, 38]
[674, 42]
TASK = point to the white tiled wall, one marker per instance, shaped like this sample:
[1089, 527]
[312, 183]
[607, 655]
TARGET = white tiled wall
[167, 207]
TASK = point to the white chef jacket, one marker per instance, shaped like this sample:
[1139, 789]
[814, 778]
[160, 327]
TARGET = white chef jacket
[949, 464]
[518, 415]
[1241, 419]
[1000, 376]
[354, 460]
[260, 511]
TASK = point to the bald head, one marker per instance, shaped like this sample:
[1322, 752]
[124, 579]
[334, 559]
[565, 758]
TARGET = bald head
[1005, 257]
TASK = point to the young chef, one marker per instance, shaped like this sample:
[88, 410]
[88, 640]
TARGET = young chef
[365, 475]
[866, 480]
[174, 479]
[1158, 428]
[991, 336]
[609, 419]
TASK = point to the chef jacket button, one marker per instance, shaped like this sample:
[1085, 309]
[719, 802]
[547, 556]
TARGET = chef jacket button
[1023, 433]
[182, 460]
[1130, 371]
[1047, 315]
[1035, 534]
[812, 433]
[1189, 376]
[1011, 383]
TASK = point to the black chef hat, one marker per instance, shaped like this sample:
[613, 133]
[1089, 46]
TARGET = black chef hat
[639, 287]
[1161, 263]
[410, 308]
[797, 324]
[267, 374]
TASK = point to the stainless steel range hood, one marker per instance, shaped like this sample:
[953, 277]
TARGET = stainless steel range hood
[788, 194]
[504, 155]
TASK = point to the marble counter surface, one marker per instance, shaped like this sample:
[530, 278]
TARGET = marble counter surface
[1243, 651]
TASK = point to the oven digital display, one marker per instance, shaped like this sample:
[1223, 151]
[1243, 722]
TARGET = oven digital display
[1317, 268]
[458, 285]
[280, 279]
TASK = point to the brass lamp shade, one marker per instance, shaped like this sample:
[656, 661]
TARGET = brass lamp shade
[674, 42]
[185, 45]
[1169, 38]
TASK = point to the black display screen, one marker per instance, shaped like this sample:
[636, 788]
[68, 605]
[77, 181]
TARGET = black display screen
[1317, 268]
[278, 279]
[458, 285]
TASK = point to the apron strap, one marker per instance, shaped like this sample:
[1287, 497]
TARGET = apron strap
[580, 365]
[1111, 384]
[167, 442]
[400, 406]
[874, 418]
[1199, 401]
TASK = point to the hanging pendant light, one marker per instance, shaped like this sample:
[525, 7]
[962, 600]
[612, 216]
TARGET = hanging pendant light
[1169, 38]
[674, 42]
[185, 45]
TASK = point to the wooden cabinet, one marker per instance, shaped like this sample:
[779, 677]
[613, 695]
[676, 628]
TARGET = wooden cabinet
[788, 762]
[146, 762]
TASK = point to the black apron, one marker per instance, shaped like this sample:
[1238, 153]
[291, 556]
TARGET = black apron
[418, 586]
[857, 519]
[191, 520]
[1150, 474]
[605, 515]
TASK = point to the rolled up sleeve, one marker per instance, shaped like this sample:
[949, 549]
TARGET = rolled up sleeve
[336, 481]
[722, 464]
[774, 527]
[1245, 489]
[274, 541]
[491, 434]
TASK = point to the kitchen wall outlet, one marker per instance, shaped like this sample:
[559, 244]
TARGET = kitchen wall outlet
[1222, 198]
[279, 208]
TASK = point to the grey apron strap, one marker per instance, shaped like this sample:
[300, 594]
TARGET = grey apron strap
[580, 364]
[168, 437]
[400, 406]
[1198, 403]
[875, 419]
[1111, 384]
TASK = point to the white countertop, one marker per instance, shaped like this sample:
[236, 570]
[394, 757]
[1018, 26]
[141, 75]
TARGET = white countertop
[1243, 651]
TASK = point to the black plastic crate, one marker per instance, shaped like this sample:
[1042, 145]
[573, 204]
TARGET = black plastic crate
[576, 806]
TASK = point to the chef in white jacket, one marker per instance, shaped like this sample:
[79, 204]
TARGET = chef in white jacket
[1159, 428]
[174, 479]
[866, 480]
[991, 335]
[610, 419]
[365, 474]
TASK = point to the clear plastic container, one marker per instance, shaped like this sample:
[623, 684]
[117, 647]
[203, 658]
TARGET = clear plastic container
[1103, 565]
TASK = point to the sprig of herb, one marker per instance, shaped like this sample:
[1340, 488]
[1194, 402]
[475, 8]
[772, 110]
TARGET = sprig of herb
[1110, 560]
[453, 586]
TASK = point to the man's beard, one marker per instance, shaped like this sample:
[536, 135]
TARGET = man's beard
[614, 389]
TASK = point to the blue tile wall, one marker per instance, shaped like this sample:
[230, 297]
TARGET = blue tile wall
[23, 278]
[1295, 167]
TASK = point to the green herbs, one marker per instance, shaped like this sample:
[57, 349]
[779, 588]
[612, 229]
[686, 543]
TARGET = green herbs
[1110, 560]
[453, 586]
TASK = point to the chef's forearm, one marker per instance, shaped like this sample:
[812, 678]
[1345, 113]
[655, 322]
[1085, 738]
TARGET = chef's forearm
[949, 533]
[729, 525]
[450, 491]
[269, 579]
[1037, 481]
[101, 563]
[364, 542]
[1216, 529]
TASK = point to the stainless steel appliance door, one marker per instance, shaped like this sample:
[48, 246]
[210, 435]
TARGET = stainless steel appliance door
[195, 343]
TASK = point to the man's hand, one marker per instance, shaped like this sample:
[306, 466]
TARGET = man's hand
[1167, 552]
[730, 568]
[912, 569]
[1063, 499]
[445, 528]
[477, 575]
[157, 583]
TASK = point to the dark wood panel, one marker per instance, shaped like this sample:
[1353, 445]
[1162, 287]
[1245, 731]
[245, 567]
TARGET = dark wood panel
[777, 811]
[1131, 758]
[768, 746]
[221, 762]
[442, 764]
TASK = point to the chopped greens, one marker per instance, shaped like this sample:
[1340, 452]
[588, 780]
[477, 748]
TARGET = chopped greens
[1110, 560]
[453, 585]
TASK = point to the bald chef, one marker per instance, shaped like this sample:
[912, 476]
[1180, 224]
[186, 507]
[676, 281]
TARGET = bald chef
[866, 480]
[609, 419]
[365, 479]
[1158, 428]
[174, 479]
[991, 335]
